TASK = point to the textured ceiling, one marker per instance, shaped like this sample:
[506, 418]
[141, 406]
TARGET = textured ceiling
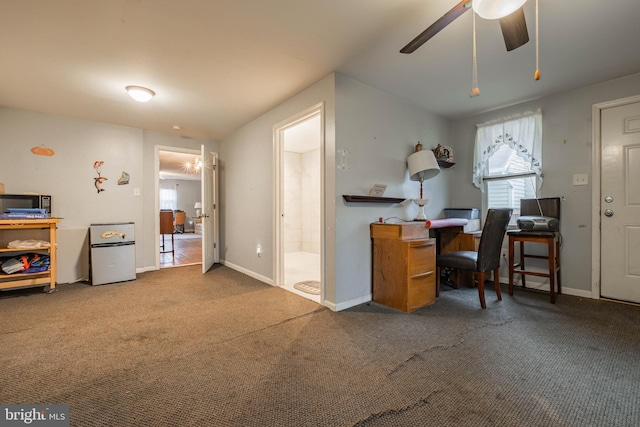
[217, 64]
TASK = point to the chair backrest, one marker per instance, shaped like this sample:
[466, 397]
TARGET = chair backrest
[495, 227]
[180, 218]
[548, 206]
[166, 222]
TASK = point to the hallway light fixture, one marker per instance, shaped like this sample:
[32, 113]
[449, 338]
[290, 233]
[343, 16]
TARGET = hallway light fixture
[195, 166]
[139, 93]
[422, 165]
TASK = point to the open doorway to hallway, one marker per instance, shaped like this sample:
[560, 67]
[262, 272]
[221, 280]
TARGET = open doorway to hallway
[179, 186]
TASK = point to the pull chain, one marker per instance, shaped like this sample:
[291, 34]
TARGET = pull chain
[475, 90]
[536, 75]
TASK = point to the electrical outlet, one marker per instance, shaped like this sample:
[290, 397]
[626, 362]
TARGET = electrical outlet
[580, 179]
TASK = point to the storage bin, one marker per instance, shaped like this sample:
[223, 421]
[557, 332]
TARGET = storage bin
[470, 213]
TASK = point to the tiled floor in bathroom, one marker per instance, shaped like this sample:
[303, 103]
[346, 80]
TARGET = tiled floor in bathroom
[300, 266]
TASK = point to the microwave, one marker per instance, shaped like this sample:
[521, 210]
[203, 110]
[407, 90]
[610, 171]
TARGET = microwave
[25, 201]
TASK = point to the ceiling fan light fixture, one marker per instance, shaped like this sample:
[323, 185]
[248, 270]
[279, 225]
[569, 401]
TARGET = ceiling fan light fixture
[139, 93]
[496, 9]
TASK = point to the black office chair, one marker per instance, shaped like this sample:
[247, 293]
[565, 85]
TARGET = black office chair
[487, 258]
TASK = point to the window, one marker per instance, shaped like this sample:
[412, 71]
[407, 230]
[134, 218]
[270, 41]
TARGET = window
[168, 197]
[507, 163]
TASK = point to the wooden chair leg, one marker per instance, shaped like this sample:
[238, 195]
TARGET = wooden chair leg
[551, 258]
[511, 261]
[437, 281]
[522, 267]
[557, 270]
[496, 283]
[483, 303]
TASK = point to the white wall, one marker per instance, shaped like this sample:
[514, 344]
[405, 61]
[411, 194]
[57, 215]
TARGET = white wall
[567, 135]
[247, 187]
[378, 132]
[69, 177]
[311, 180]
[302, 202]
[292, 200]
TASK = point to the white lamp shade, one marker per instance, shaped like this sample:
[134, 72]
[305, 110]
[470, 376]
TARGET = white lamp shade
[198, 205]
[496, 9]
[139, 93]
[422, 165]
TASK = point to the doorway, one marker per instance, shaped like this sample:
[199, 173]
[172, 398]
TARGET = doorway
[616, 196]
[179, 191]
[299, 239]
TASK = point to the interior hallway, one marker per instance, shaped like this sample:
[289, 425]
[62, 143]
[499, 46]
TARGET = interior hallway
[188, 250]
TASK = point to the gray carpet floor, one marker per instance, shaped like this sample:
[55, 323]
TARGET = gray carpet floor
[178, 348]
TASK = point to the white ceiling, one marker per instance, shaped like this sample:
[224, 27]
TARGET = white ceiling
[304, 136]
[174, 165]
[217, 64]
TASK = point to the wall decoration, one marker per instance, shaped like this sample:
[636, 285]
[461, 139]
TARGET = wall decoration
[124, 178]
[443, 153]
[97, 165]
[42, 150]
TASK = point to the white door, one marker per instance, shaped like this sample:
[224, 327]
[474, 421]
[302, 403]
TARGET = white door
[209, 242]
[620, 203]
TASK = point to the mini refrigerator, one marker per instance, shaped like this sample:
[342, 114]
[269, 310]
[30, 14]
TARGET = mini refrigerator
[112, 253]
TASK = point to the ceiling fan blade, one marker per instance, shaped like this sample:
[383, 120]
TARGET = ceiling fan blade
[514, 30]
[437, 26]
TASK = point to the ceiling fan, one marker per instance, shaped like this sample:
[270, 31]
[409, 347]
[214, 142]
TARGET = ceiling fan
[509, 12]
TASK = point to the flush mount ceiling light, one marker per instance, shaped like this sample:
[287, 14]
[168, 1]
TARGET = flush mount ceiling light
[139, 93]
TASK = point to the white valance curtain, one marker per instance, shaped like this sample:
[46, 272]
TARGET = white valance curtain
[523, 133]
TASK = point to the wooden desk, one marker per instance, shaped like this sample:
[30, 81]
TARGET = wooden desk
[403, 264]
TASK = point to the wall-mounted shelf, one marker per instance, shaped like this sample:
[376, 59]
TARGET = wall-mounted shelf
[371, 199]
[444, 164]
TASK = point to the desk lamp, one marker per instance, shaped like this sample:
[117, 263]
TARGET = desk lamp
[422, 165]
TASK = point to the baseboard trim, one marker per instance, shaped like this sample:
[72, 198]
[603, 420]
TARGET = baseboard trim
[544, 286]
[329, 304]
[348, 304]
[249, 273]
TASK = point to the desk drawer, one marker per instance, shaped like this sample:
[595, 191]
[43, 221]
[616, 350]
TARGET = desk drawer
[422, 291]
[421, 256]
